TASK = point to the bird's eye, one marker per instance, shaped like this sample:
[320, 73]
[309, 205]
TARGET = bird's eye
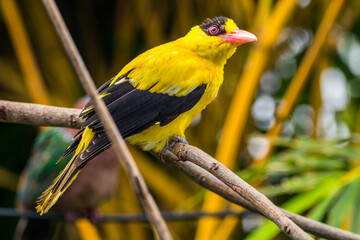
[214, 29]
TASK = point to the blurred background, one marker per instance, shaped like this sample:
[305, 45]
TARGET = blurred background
[286, 118]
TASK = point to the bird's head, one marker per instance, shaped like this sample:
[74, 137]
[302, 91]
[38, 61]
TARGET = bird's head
[217, 38]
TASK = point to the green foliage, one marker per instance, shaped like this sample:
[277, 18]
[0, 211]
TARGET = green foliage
[319, 179]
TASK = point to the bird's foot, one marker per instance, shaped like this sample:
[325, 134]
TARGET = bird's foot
[171, 144]
[179, 139]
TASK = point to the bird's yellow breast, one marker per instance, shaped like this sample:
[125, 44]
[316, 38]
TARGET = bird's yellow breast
[179, 75]
[156, 137]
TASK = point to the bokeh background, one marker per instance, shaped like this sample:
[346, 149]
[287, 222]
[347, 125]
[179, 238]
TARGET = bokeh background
[286, 118]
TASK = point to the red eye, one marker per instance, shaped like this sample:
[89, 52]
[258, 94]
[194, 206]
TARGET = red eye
[214, 30]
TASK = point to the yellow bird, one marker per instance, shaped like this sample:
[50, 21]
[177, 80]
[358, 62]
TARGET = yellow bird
[155, 97]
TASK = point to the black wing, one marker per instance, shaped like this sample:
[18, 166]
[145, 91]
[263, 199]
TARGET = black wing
[133, 111]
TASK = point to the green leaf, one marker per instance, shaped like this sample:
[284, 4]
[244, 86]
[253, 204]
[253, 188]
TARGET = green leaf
[355, 224]
[345, 204]
[319, 211]
[324, 148]
[295, 184]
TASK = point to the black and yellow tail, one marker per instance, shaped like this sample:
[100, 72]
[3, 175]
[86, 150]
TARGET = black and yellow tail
[59, 186]
[51, 195]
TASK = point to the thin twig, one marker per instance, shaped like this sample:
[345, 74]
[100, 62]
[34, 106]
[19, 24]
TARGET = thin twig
[124, 217]
[35, 112]
[137, 181]
[267, 208]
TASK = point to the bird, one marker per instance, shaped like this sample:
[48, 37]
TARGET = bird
[155, 97]
[97, 183]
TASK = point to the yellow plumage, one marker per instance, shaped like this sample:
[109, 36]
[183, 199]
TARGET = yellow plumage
[158, 94]
[184, 64]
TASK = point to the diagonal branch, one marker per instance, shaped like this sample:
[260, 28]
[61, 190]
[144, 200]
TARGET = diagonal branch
[41, 115]
[209, 181]
[123, 154]
[254, 197]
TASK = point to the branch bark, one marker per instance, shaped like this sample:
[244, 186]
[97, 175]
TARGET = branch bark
[39, 115]
[209, 181]
[255, 198]
[138, 183]
[35, 114]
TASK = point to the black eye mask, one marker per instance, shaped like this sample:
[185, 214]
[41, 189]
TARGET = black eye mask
[214, 26]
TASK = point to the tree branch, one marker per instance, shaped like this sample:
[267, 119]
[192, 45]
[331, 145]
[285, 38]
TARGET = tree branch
[189, 153]
[209, 181]
[35, 113]
[39, 115]
[121, 150]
